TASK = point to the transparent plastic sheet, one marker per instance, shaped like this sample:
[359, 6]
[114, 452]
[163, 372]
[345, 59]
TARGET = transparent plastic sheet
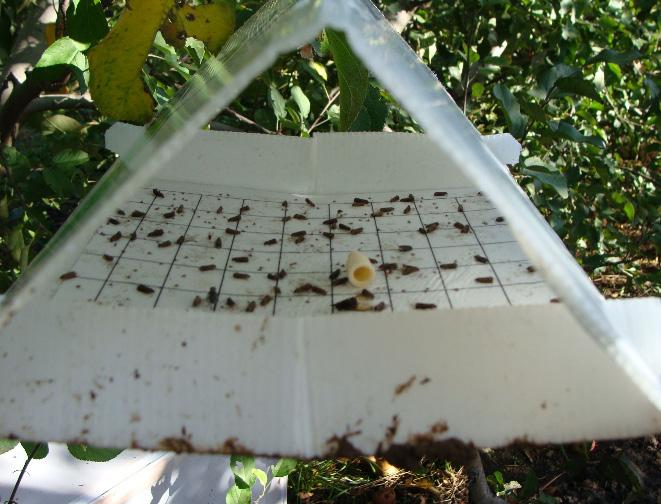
[284, 25]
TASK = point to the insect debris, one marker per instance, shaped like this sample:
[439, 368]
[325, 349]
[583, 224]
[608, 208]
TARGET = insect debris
[137, 214]
[218, 243]
[356, 231]
[169, 215]
[107, 257]
[115, 237]
[460, 208]
[244, 208]
[379, 307]
[164, 244]
[425, 306]
[212, 295]
[155, 233]
[409, 199]
[328, 235]
[340, 281]
[429, 228]
[500, 219]
[299, 216]
[144, 289]
[265, 300]
[310, 202]
[277, 276]
[180, 209]
[448, 266]
[180, 240]
[197, 301]
[388, 267]
[272, 241]
[242, 259]
[236, 218]
[405, 248]
[241, 276]
[348, 304]
[407, 269]
[296, 234]
[481, 259]
[157, 193]
[230, 303]
[531, 269]
[366, 294]
[120, 212]
[440, 193]
[207, 267]
[308, 287]
[394, 198]
[407, 210]
[251, 307]
[232, 232]
[113, 221]
[385, 210]
[484, 280]
[334, 275]
[344, 227]
[133, 236]
[219, 210]
[357, 202]
[330, 222]
[68, 276]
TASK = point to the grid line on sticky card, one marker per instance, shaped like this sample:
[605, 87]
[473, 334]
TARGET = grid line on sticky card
[276, 290]
[233, 234]
[385, 272]
[119, 257]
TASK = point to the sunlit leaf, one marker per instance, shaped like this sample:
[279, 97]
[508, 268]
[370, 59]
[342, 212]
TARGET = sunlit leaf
[92, 454]
[610, 56]
[565, 130]
[510, 105]
[211, 23]
[284, 467]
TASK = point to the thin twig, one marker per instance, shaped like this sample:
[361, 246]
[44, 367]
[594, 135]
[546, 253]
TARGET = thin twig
[246, 120]
[331, 98]
[20, 476]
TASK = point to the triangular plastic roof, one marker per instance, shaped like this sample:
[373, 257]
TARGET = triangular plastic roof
[284, 25]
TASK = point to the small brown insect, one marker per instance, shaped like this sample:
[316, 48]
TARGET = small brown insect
[299, 233]
[330, 222]
[484, 280]
[373, 261]
[299, 216]
[112, 221]
[245, 208]
[440, 193]
[460, 208]
[356, 231]
[169, 215]
[409, 199]
[107, 257]
[481, 259]
[133, 236]
[376, 214]
[531, 269]
[207, 267]
[219, 210]
[286, 219]
[276, 290]
[379, 307]
[394, 198]
[218, 243]
[466, 230]
[407, 269]
[334, 275]
[69, 276]
[230, 303]
[236, 218]
[137, 213]
[180, 240]
[242, 259]
[265, 300]
[359, 202]
[500, 219]
[405, 248]
[425, 306]
[407, 210]
[285, 204]
[348, 304]
[299, 239]
[180, 209]
[157, 193]
[328, 235]
[120, 212]
[155, 233]
[554, 300]
[308, 287]
[197, 301]
[231, 231]
[458, 225]
[241, 276]
[272, 241]
[340, 281]
[432, 227]
[386, 209]
[310, 202]
[212, 295]
[115, 237]
[448, 266]
[251, 307]
[366, 294]
[144, 289]
[344, 227]
[388, 267]
[164, 244]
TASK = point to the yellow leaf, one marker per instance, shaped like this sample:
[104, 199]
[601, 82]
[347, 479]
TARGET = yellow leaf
[116, 62]
[212, 23]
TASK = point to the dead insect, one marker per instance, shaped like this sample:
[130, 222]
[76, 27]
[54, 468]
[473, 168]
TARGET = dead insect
[373, 261]
[107, 257]
[500, 219]
[242, 259]
[481, 259]
[144, 289]
[219, 210]
[251, 307]
[299, 216]
[308, 287]
[244, 208]
[133, 236]
[180, 209]
[299, 239]
[344, 227]
[348, 304]
[112, 221]
[394, 198]
[554, 300]
[448, 266]
[409, 199]
[330, 222]
[405, 248]
[328, 235]
[466, 230]
[241, 276]
[286, 219]
[386, 210]
[276, 290]
[115, 237]
[236, 218]
[207, 267]
[388, 267]
[299, 233]
[407, 210]
[340, 281]
[212, 295]
[432, 227]
[484, 280]
[531, 269]
[359, 202]
[231, 231]
[458, 225]
[440, 193]
[460, 208]
[407, 269]
[376, 214]
[285, 204]
[157, 193]
[310, 202]
[169, 215]
[425, 306]
[379, 307]
[356, 231]
[164, 244]
[265, 300]
[137, 214]
[272, 241]
[69, 276]
[230, 303]
[180, 240]
[120, 212]
[334, 275]
[366, 294]
[197, 301]
[155, 233]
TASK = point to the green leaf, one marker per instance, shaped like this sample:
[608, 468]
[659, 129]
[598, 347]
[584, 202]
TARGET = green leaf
[553, 179]
[530, 485]
[70, 158]
[610, 56]
[243, 469]
[41, 452]
[86, 21]
[261, 476]
[578, 86]
[510, 105]
[353, 77]
[92, 454]
[236, 495]
[565, 130]
[319, 69]
[7, 445]
[477, 90]
[278, 102]
[302, 101]
[374, 113]
[551, 75]
[629, 210]
[61, 123]
[63, 54]
[284, 467]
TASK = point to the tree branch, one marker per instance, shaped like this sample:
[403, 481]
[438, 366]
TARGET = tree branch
[59, 101]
